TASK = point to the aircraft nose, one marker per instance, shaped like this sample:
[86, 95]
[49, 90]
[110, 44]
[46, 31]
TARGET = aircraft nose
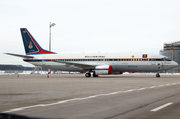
[175, 63]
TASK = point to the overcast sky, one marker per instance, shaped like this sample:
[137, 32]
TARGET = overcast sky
[89, 26]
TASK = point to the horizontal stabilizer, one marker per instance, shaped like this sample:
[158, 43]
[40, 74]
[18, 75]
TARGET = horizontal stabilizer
[17, 55]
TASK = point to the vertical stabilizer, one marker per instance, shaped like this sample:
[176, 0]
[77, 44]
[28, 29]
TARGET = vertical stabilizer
[31, 46]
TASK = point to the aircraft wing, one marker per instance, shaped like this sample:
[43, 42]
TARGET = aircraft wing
[17, 55]
[77, 65]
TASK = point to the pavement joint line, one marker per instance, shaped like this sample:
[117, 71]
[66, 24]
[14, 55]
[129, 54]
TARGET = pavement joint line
[161, 107]
[84, 98]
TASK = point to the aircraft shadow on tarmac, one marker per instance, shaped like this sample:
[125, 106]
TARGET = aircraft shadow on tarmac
[13, 116]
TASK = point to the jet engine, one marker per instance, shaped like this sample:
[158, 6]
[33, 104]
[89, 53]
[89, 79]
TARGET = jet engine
[103, 70]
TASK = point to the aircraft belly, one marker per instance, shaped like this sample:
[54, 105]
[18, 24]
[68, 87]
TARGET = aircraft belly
[56, 66]
[64, 67]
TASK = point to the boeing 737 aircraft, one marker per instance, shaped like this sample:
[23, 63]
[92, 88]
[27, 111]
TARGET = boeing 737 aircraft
[99, 64]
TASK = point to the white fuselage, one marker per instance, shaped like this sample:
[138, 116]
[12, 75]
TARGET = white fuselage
[129, 62]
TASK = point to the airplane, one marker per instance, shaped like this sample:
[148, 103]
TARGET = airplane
[95, 63]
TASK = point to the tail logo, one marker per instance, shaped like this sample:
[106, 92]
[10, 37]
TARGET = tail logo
[30, 45]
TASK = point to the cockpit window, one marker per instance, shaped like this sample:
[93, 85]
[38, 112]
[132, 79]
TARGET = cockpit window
[166, 59]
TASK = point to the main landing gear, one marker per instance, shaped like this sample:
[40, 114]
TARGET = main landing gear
[88, 74]
[157, 75]
[94, 75]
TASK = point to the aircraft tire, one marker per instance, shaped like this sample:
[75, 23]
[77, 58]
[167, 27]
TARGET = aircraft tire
[88, 75]
[157, 75]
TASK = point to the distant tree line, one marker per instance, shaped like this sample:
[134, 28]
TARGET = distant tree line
[14, 67]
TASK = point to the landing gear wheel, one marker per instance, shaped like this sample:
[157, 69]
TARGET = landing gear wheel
[157, 75]
[88, 75]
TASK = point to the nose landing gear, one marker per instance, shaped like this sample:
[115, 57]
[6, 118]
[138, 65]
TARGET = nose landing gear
[157, 75]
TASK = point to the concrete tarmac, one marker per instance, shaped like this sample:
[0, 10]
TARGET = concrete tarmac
[77, 97]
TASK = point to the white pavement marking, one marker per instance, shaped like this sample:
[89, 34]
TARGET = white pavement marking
[163, 106]
[160, 85]
[89, 97]
[153, 87]
[142, 88]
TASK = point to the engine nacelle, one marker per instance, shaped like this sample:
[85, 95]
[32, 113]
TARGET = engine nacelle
[103, 70]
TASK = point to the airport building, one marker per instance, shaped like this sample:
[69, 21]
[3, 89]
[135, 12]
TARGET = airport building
[172, 51]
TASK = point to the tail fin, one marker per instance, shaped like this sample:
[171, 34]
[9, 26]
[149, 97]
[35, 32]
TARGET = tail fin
[31, 46]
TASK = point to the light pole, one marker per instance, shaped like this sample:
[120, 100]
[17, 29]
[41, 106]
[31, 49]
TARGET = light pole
[50, 25]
